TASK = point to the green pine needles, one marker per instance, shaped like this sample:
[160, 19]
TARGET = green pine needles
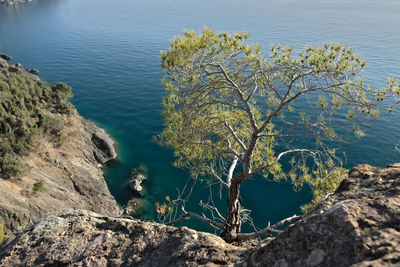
[231, 113]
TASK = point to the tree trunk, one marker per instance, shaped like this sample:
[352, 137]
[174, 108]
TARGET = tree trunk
[233, 221]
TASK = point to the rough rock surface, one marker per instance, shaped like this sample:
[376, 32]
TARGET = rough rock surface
[81, 238]
[71, 173]
[358, 225]
[103, 145]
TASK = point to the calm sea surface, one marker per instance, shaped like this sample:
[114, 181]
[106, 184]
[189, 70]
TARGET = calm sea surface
[108, 51]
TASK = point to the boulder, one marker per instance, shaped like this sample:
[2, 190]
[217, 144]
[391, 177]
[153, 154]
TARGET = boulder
[133, 207]
[136, 178]
[82, 238]
[103, 145]
[358, 225]
[33, 71]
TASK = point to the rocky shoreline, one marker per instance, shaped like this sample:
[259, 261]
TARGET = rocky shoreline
[66, 175]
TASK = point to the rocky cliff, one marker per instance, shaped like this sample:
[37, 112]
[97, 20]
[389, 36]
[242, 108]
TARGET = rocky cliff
[358, 225]
[63, 166]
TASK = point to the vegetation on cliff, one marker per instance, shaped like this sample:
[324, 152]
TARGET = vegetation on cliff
[26, 105]
[3, 237]
[50, 157]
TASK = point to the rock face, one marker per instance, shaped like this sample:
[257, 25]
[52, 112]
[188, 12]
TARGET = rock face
[81, 238]
[358, 225]
[103, 149]
[69, 175]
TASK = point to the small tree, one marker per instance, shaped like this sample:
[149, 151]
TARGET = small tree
[231, 113]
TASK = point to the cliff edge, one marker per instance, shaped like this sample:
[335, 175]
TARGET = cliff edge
[358, 225]
[56, 154]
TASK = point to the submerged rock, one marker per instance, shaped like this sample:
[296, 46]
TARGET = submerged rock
[136, 178]
[133, 207]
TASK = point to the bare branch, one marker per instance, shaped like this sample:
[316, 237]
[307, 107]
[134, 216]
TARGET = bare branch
[216, 176]
[212, 208]
[235, 135]
[215, 225]
[231, 170]
[269, 229]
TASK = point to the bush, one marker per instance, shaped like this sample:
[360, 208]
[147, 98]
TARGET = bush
[3, 237]
[23, 101]
[38, 187]
[9, 162]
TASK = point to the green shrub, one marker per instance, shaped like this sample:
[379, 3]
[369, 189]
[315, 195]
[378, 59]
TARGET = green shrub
[3, 86]
[23, 101]
[38, 187]
[325, 182]
[3, 237]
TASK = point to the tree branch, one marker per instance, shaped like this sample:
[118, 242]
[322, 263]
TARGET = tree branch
[269, 229]
[212, 208]
[260, 169]
[240, 93]
[235, 136]
[213, 224]
[231, 170]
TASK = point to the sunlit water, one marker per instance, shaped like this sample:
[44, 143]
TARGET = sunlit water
[108, 51]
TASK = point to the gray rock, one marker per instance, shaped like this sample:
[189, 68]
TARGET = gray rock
[358, 225]
[135, 181]
[33, 71]
[133, 207]
[81, 238]
[103, 145]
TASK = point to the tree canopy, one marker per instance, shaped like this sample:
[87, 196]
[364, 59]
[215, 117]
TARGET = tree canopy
[232, 113]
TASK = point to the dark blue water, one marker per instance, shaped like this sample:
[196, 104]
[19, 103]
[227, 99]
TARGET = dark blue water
[108, 51]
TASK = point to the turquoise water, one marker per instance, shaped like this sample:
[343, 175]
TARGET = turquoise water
[108, 51]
